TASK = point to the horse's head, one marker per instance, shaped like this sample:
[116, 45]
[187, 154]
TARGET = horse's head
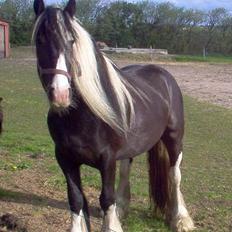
[53, 38]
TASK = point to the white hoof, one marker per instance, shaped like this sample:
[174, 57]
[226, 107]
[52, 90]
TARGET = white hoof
[182, 224]
[111, 221]
[78, 223]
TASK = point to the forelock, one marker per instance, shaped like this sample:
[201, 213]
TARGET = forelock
[55, 25]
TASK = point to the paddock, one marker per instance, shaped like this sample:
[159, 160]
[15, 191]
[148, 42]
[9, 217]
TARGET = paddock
[32, 186]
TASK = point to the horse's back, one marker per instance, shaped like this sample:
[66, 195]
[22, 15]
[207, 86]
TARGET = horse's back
[155, 82]
[149, 74]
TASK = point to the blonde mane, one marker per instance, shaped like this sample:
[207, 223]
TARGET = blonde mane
[90, 87]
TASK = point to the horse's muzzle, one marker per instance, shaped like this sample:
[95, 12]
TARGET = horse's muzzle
[60, 99]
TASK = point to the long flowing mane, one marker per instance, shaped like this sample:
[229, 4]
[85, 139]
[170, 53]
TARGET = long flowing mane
[100, 83]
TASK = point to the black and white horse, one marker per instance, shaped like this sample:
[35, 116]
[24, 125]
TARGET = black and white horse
[100, 114]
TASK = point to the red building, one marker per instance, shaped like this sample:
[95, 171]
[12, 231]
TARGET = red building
[4, 39]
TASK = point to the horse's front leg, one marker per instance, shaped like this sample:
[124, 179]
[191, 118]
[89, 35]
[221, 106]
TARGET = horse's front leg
[111, 221]
[77, 202]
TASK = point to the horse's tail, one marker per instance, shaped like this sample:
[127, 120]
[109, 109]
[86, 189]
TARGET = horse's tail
[159, 166]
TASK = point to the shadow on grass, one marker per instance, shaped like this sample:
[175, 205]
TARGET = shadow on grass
[33, 199]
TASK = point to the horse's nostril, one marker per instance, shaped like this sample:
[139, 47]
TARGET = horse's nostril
[59, 97]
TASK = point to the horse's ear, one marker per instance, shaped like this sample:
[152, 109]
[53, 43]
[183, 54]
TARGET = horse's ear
[71, 8]
[39, 7]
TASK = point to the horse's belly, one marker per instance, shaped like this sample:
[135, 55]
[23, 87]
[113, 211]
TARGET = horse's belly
[141, 142]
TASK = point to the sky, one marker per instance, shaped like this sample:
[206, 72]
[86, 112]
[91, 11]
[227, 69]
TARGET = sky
[203, 4]
[194, 4]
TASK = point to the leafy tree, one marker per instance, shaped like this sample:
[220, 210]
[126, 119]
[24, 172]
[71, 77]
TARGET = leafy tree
[140, 24]
[116, 23]
[87, 11]
[20, 15]
[214, 21]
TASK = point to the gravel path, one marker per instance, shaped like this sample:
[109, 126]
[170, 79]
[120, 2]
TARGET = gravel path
[206, 82]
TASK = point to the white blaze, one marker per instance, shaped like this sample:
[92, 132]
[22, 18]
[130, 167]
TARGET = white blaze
[60, 81]
[61, 85]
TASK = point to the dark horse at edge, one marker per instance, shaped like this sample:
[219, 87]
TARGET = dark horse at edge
[1, 116]
[100, 114]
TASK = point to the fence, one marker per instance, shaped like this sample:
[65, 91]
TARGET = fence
[136, 50]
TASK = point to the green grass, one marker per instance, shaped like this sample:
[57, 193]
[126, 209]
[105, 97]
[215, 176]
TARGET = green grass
[174, 58]
[207, 163]
[23, 52]
[209, 59]
[206, 179]
[131, 56]
[24, 108]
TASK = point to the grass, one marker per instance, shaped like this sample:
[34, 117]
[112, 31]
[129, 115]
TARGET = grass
[137, 57]
[214, 59]
[24, 108]
[206, 180]
[209, 59]
[23, 52]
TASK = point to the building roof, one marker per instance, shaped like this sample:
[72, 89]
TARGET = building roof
[3, 21]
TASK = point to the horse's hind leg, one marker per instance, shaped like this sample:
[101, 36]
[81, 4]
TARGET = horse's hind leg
[123, 192]
[176, 214]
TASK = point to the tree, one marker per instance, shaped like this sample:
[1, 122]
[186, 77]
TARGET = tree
[87, 11]
[140, 24]
[19, 13]
[116, 22]
[213, 22]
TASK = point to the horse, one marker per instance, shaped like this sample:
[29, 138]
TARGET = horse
[99, 114]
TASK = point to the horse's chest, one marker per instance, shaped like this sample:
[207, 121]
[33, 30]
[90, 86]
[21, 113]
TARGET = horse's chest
[84, 139]
[76, 142]
[83, 149]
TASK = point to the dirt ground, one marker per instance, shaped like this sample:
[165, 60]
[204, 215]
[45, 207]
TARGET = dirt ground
[37, 205]
[206, 82]
[34, 203]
